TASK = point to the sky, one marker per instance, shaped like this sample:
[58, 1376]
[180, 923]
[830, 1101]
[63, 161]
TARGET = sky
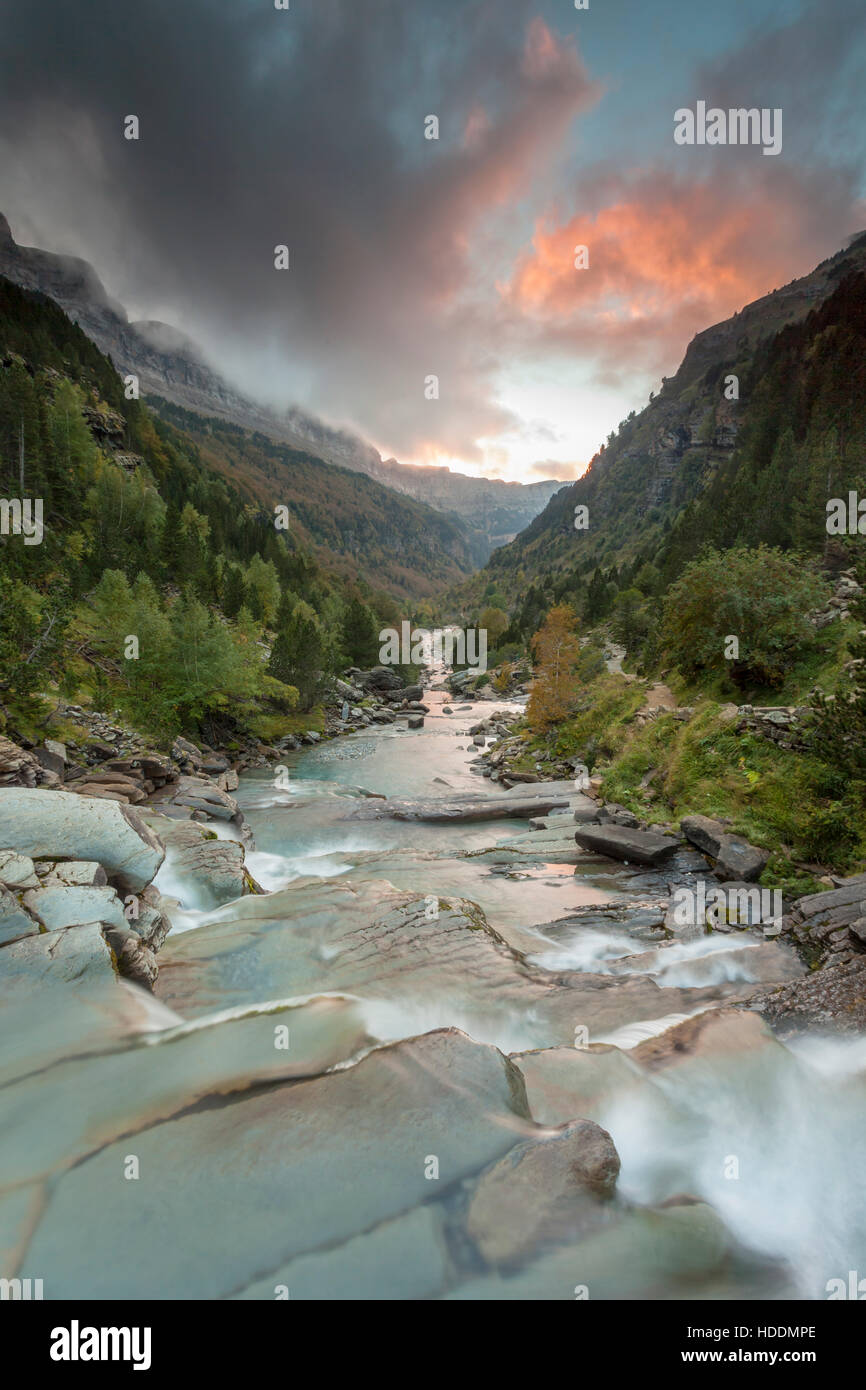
[412, 258]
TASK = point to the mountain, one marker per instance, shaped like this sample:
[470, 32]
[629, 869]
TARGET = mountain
[665, 484]
[170, 366]
[352, 526]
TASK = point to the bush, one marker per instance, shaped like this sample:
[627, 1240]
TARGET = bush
[759, 597]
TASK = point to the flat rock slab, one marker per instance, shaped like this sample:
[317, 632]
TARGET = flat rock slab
[65, 1111]
[60, 825]
[641, 1254]
[481, 808]
[634, 846]
[405, 1258]
[553, 845]
[231, 1193]
[370, 940]
[63, 906]
[563, 1083]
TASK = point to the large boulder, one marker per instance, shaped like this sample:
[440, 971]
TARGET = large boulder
[380, 678]
[735, 857]
[542, 1192]
[60, 825]
[634, 846]
[216, 867]
[205, 796]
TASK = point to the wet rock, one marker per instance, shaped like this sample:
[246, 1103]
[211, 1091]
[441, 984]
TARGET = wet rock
[57, 908]
[618, 842]
[133, 958]
[216, 867]
[291, 1170]
[365, 937]
[633, 1256]
[562, 1082]
[477, 808]
[15, 920]
[537, 1194]
[404, 1258]
[59, 825]
[415, 721]
[832, 1000]
[552, 845]
[729, 1032]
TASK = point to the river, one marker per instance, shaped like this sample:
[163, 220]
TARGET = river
[766, 1137]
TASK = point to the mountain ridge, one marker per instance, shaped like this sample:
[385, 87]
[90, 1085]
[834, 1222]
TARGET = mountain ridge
[170, 365]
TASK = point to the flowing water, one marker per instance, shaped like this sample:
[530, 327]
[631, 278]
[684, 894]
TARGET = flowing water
[773, 1139]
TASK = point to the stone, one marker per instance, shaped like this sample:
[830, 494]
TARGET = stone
[122, 1090]
[478, 808]
[52, 756]
[216, 867]
[831, 1000]
[292, 1170]
[704, 832]
[59, 907]
[735, 857]
[15, 920]
[18, 768]
[415, 721]
[380, 678]
[634, 846]
[205, 796]
[133, 957]
[562, 1082]
[76, 873]
[17, 870]
[59, 825]
[538, 1193]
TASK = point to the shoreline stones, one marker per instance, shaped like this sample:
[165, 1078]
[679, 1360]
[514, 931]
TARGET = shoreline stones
[55, 825]
[735, 858]
[620, 842]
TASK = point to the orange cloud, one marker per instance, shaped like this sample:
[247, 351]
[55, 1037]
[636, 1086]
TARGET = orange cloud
[668, 258]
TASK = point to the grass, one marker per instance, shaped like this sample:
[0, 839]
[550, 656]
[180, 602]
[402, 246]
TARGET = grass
[784, 801]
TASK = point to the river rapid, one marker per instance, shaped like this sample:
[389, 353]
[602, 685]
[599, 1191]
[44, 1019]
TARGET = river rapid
[765, 1140]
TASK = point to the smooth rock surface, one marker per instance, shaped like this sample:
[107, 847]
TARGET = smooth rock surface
[61, 825]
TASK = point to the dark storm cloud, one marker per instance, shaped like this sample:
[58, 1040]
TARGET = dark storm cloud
[302, 127]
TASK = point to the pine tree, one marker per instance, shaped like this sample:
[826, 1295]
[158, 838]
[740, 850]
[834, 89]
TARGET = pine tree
[360, 634]
[298, 656]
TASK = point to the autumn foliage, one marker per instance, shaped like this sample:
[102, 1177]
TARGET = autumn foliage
[557, 652]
